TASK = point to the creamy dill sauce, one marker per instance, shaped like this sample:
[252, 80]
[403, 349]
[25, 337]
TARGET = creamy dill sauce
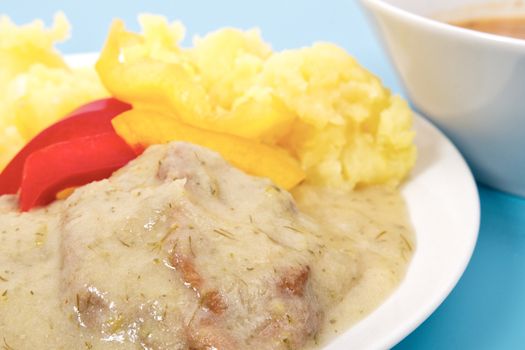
[373, 221]
[369, 225]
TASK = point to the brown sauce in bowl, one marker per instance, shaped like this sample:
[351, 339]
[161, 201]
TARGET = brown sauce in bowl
[507, 26]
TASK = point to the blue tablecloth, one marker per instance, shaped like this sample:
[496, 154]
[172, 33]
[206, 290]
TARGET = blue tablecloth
[487, 308]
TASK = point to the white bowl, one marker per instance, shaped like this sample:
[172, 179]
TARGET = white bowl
[471, 84]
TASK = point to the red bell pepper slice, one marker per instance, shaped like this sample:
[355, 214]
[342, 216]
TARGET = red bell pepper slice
[71, 163]
[90, 119]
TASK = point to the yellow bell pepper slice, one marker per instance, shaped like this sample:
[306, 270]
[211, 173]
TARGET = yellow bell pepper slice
[145, 128]
[169, 82]
[142, 80]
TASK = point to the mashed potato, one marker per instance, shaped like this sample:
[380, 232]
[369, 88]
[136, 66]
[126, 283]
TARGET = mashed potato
[349, 129]
[317, 103]
[36, 85]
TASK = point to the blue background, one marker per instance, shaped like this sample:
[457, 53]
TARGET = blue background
[487, 308]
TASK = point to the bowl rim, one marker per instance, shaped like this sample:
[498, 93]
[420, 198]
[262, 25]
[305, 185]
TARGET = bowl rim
[431, 24]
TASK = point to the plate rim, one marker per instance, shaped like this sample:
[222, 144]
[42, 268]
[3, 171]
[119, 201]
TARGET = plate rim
[428, 307]
[432, 307]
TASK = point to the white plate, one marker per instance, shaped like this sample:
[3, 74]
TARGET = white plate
[443, 203]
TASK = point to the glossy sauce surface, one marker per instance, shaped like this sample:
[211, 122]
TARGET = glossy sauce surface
[65, 283]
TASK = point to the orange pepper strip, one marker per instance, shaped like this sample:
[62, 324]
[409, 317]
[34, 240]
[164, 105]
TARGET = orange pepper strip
[65, 193]
[142, 127]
